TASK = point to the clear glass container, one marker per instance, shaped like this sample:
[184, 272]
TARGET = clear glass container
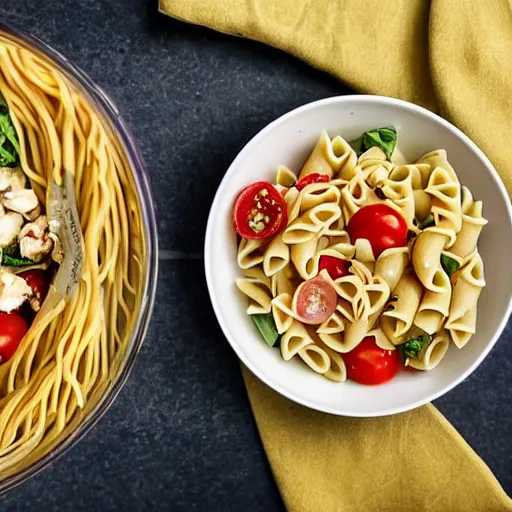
[99, 403]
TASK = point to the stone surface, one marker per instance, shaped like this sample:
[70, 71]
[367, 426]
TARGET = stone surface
[181, 436]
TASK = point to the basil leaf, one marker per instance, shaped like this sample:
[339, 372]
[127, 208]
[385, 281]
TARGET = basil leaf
[11, 257]
[357, 145]
[428, 221]
[411, 348]
[10, 261]
[383, 138]
[9, 146]
[267, 327]
[450, 266]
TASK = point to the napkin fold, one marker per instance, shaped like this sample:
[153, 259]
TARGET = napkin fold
[453, 57]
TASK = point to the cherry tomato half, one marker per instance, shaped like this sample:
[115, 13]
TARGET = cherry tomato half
[315, 299]
[12, 329]
[39, 282]
[369, 364]
[381, 225]
[311, 178]
[259, 211]
[336, 267]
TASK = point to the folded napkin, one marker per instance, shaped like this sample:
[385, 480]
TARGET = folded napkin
[453, 57]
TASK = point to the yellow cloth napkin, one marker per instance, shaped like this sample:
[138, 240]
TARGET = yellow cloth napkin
[451, 56]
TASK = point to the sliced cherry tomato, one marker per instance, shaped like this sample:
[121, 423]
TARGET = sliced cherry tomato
[39, 282]
[12, 329]
[311, 178]
[381, 225]
[369, 364]
[335, 267]
[259, 211]
[315, 300]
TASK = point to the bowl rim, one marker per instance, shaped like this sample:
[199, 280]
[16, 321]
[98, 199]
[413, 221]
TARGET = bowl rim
[350, 98]
[110, 114]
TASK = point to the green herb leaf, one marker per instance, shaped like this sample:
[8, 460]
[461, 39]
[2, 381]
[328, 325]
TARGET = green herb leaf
[450, 266]
[267, 327]
[428, 221]
[357, 145]
[384, 138]
[11, 257]
[411, 348]
[9, 261]
[9, 146]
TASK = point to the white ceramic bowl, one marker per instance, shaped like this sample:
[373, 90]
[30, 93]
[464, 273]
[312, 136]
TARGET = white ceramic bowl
[288, 141]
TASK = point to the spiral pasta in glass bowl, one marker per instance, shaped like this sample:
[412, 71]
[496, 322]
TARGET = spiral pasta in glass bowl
[358, 245]
[77, 255]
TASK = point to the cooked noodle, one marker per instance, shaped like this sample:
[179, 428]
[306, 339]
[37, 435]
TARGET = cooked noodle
[68, 356]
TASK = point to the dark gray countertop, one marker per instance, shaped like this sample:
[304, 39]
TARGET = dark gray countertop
[180, 435]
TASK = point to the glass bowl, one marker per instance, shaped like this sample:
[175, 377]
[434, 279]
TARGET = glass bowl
[98, 404]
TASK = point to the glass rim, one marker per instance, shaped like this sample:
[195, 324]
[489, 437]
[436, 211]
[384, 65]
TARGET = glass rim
[101, 102]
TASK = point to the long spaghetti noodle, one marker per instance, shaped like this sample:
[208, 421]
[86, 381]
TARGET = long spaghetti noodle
[70, 354]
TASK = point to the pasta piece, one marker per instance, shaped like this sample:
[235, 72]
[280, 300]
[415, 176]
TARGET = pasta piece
[396, 322]
[337, 229]
[412, 174]
[276, 256]
[434, 307]
[318, 193]
[282, 320]
[426, 257]
[350, 289]
[294, 339]
[462, 331]
[291, 197]
[249, 254]
[334, 324]
[374, 166]
[337, 370]
[422, 204]
[356, 195]
[258, 274]
[446, 204]
[316, 358]
[310, 196]
[376, 175]
[360, 270]
[391, 265]
[330, 157]
[354, 333]
[303, 256]
[282, 312]
[364, 251]
[285, 177]
[381, 340]
[339, 183]
[371, 157]
[467, 289]
[399, 188]
[311, 223]
[378, 294]
[431, 356]
[259, 295]
[283, 281]
[436, 158]
[472, 224]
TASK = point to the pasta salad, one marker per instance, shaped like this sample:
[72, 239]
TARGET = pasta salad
[361, 265]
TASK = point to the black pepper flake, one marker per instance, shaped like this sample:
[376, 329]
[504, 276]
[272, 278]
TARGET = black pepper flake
[379, 193]
[411, 235]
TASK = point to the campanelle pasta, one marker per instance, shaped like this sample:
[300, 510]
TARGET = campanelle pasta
[361, 253]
